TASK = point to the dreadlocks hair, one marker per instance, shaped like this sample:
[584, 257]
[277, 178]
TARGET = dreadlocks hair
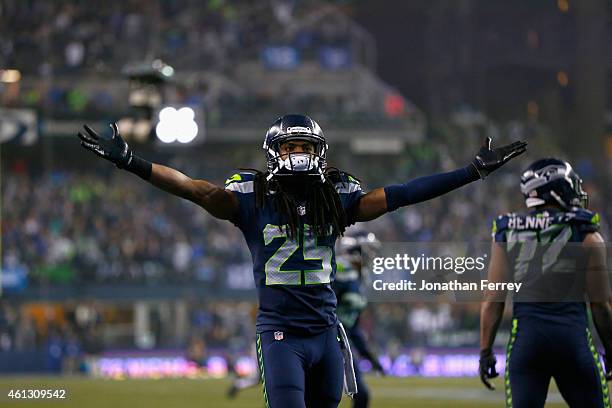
[322, 202]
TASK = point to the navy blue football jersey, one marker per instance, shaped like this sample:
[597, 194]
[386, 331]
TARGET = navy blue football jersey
[293, 276]
[542, 256]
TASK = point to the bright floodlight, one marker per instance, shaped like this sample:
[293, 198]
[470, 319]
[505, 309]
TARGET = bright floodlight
[167, 71]
[186, 113]
[166, 114]
[164, 132]
[176, 125]
[188, 132]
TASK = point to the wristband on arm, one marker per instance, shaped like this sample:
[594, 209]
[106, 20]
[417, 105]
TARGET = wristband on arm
[141, 167]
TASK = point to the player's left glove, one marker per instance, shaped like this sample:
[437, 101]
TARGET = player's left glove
[488, 159]
[487, 367]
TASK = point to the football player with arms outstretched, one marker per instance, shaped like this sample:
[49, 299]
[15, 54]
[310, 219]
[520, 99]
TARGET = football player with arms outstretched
[291, 215]
[557, 253]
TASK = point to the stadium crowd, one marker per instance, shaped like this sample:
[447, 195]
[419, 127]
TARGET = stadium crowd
[66, 37]
[51, 42]
[90, 228]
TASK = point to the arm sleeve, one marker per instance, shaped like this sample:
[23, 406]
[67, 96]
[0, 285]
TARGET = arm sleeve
[428, 187]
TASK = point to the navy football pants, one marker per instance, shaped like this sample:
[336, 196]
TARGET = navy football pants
[301, 371]
[538, 351]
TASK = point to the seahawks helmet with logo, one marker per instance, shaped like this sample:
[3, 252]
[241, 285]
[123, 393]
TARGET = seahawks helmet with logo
[553, 181]
[295, 127]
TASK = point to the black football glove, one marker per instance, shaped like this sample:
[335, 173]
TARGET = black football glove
[487, 367]
[115, 149]
[488, 160]
[378, 368]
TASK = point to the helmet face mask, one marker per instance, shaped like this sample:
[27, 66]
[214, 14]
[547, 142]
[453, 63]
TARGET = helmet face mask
[293, 128]
[553, 181]
[296, 162]
[583, 196]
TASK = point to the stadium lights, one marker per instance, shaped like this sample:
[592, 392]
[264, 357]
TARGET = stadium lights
[176, 125]
[162, 67]
[9, 76]
[134, 129]
[167, 71]
[563, 5]
[154, 72]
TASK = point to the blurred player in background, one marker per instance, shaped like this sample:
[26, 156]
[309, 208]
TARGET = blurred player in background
[291, 215]
[549, 338]
[246, 382]
[351, 302]
[251, 380]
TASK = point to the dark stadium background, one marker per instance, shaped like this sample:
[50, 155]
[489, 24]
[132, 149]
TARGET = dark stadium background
[104, 276]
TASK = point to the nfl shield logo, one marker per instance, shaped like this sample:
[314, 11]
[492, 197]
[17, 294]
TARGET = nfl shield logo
[278, 335]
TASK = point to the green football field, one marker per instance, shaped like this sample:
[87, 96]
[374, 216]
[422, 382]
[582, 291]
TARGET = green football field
[208, 393]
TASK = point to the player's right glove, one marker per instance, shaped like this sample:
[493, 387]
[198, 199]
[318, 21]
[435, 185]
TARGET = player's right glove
[115, 150]
[487, 367]
[488, 159]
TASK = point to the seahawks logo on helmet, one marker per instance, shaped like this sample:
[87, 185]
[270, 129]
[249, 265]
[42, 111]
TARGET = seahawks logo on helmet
[553, 181]
[295, 127]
